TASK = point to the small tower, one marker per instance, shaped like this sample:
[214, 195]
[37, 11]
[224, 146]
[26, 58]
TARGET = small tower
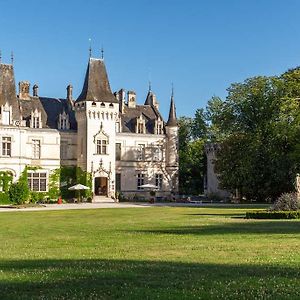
[172, 146]
[97, 112]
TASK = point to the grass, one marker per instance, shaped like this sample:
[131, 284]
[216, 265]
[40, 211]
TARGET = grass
[148, 253]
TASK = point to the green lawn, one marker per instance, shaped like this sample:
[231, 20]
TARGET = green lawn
[148, 253]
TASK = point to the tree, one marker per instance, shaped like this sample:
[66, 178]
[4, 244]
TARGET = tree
[191, 153]
[258, 129]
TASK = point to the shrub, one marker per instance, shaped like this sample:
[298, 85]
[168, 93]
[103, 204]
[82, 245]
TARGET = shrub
[4, 198]
[18, 192]
[286, 202]
[273, 215]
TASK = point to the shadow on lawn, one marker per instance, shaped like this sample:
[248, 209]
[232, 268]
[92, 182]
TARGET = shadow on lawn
[131, 279]
[259, 227]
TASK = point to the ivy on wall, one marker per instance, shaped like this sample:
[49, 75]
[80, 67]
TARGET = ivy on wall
[6, 179]
[58, 183]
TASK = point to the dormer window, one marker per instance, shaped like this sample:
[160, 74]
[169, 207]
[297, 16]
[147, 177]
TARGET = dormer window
[94, 103]
[140, 125]
[6, 114]
[111, 105]
[159, 127]
[36, 119]
[102, 104]
[63, 121]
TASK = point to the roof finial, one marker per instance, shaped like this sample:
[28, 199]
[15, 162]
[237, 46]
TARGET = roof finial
[102, 53]
[12, 57]
[0, 56]
[149, 86]
[172, 93]
[90, 48]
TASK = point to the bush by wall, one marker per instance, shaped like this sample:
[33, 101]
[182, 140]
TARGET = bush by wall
[19, 191]
[273, 215]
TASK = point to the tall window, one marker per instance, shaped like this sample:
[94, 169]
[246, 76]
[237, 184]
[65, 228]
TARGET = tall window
[36, 149]
[159, 128]
[118, 182]
[102, 146]
[37, 181]
[141, 127]
[6, 146]
[141, 152]
[5, 116]
[118, 127]
[159, 180]
[140, 181]
[118, 151]
[64, 149]
[36, 122]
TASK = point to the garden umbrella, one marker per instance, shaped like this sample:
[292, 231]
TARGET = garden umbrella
[149, 186]
[78, 187]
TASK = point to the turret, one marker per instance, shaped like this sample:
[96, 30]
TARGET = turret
[8, 96]
[172, 145]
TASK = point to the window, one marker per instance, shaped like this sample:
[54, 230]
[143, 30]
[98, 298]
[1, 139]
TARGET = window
[5, 116]
[159, 180]
[36, 149]
[159, 129]
[6, 146]
[140, 128]
[63, 121]
[36, 122]
[141, 152]
[118, 129]
[118, 151]
[102, 146]
[37, 181]
[118, 182]
[64, 149]
[140, 181]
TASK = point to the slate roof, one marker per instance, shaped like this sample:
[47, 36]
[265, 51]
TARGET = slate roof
[53, 107]
[128, 118]
[172, 120]
[8, 89]
[96, 85]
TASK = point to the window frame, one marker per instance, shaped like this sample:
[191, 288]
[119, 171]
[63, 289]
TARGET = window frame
[36, 182]
[6, 146]
[36, 145]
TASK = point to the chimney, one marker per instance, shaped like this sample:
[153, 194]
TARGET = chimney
[70, 96]
[35, 90]
[24, 90]
[131, 99]
[121, 98]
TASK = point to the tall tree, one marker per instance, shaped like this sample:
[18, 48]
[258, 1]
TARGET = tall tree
[258, 129]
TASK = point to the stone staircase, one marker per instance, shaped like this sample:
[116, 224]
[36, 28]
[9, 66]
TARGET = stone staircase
[102, 199]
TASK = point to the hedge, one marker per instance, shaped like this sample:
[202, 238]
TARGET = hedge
[273, 214]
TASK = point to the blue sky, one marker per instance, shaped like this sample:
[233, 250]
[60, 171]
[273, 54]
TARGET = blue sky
[201, 46]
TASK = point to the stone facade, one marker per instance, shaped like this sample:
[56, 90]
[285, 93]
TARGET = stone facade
[122, 144]
[212, 187]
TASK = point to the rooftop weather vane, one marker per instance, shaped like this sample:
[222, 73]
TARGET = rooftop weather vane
[90, 48]
[172, 90]
[102, 52]
[12, 57]
[149, 86]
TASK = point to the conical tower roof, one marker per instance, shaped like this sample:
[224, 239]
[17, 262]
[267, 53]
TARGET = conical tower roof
[96, 84]
[8, 89]
[172, 120]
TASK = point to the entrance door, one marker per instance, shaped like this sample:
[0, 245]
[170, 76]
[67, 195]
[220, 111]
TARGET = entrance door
[101, 186]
